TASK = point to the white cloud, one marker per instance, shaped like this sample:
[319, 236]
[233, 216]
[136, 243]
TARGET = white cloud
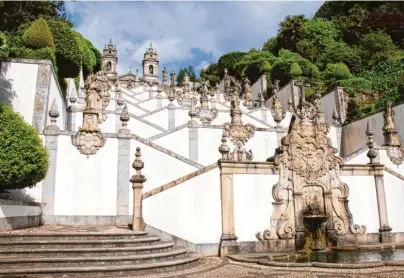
[203, 65]
[175, 28]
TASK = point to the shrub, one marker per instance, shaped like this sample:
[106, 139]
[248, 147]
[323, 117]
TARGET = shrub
[23, 159]
[87, 54]
[4, 52]
[38, 35]
[228, 61]
[46, 53]
[334, 72]
[98, 58]
[356, 85]
[67, 50]
[295, 70]
[265, 67]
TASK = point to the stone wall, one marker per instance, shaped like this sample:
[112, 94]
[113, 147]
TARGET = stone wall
[18, 215]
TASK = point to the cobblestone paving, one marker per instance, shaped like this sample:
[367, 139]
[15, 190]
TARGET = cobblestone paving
[218, 268]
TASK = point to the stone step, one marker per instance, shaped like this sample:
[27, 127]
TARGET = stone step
[83, 243]
[83, 261]
[6, 237]
[158, 246]
[95, 270]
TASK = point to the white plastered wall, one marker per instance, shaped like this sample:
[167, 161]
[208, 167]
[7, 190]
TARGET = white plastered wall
[18, 84]
[190, 210]
[177, 142]
[252, 204]
[56, 94]
[86, 185]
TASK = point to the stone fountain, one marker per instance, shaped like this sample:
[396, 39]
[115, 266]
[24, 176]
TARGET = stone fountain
[313, 219]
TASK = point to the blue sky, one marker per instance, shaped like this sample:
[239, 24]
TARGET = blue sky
[184, 33]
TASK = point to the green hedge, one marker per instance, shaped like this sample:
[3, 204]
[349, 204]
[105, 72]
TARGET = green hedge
[295, 70]
[229, 61]
[38, 35]
[23, 159]
[68, 55]
[4, 52]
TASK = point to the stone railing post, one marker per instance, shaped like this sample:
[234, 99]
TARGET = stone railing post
[384, 227]
[228, 240]
[137, 184]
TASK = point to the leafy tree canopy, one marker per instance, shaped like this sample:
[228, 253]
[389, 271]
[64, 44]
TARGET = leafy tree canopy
[191, 74]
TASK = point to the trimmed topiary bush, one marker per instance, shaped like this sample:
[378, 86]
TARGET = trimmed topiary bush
[295, 70]
[89, 59]
[3, 46]
[23, 159]
[38, 35]
[265, 67]
[335, 72]
[67, 50]
[45, 53]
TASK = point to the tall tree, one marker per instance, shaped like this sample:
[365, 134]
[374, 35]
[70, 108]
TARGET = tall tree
[191, 74]
[290, 32]
[15, 13]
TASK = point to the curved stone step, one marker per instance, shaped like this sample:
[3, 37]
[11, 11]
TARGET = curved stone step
[84, 243]
[98, 251]
[28, 262]
[7, 237]
[114, 270]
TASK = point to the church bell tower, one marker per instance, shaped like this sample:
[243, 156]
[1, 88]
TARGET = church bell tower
[110, 60]
[151, 66]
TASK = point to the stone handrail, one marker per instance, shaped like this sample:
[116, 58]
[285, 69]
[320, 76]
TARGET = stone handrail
[179, 181]
[394, 173]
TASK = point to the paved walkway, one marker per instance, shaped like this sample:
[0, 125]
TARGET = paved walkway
[217, 268]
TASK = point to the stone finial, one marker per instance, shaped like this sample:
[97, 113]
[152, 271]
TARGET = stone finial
[277, 109]
[389, 130]
[248, 94]
[159, 91]
[224, 148]
[192, 112]
[172, 90]
[73, 96]
[336, 118]
[205, 114]
[120, 100]
[290, 105]
[137, 184]
[124, 119]
[372, 154]
[53, 114]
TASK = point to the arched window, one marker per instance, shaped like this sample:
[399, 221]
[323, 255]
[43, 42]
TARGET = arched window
[151, 70]
[109, 66]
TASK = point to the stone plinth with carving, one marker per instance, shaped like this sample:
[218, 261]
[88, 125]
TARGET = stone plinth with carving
[89, 138]
[204, 113]
[236, 131]
[391, 140]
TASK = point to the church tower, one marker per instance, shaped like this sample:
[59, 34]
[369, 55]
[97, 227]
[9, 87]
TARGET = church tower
[110, 60]
[151, 66]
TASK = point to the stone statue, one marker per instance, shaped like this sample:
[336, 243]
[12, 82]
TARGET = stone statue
[96, 89]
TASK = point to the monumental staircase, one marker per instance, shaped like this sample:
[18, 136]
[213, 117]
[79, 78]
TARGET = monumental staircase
[79, 251]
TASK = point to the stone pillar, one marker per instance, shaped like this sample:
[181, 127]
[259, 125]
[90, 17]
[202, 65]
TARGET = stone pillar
[193, 141]
[264, 113]
[159, 103]
[71, 121]
[228, 240]
[171, 116]
[137, 180]
[41, 101]
[48, 184]
[122, 200]
[385, 229]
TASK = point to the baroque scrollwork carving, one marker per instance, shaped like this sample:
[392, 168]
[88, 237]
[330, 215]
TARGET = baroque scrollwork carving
[89, 138]
[236, 131]
[248, 101]
[184, 98]
[309, 178]
[204, 113]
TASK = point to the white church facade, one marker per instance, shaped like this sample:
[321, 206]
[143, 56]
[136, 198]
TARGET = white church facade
[213, 162]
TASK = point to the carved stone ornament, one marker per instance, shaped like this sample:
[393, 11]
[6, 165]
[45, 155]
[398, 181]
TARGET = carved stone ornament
[391, 139]
[236, 131]
[309, 178]
[89, 138]
[204, 113]
[248, 101]
[277, 109]
[172, 90]
[184, 98]
[227, 82]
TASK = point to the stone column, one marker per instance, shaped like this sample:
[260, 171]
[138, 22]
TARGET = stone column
[49, 183]
[264, 113]
[171, 116]
[122, 200]
[228, 240]
[137, 180]
[385, 229]
[193, 141]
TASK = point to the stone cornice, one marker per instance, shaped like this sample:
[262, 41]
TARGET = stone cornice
[362, 170]
[253, 167]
